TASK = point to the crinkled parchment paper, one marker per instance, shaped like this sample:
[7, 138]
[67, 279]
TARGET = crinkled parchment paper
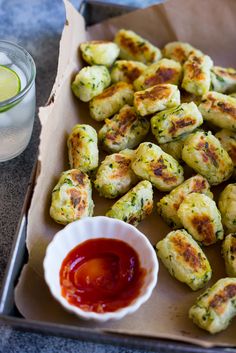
[209, 25]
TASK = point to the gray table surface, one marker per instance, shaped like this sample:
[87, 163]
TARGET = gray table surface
[37, 26]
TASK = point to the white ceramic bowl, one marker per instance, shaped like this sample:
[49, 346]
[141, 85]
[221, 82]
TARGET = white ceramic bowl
[100, 227]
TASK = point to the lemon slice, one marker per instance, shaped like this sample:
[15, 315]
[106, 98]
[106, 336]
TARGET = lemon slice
[9, 83]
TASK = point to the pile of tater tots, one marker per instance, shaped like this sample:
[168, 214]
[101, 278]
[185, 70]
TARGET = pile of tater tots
[189, 105]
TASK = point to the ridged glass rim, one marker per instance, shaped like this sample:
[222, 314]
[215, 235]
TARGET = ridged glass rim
[29, 84]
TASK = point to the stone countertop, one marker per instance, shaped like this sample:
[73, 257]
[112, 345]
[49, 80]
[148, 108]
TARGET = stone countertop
[36, 25]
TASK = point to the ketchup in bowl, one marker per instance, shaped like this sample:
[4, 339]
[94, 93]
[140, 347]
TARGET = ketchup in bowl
[101, 275]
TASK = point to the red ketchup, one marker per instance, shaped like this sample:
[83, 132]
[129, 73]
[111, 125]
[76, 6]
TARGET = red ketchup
[101, 275]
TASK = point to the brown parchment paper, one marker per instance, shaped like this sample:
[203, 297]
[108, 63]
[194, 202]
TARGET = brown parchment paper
[210, 25]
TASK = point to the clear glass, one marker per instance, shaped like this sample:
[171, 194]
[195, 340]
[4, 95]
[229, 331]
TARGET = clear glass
[17, 113]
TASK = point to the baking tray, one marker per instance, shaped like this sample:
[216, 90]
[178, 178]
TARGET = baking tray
[9, 315]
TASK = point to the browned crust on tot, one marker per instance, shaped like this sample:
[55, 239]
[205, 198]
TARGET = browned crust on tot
[78, 177]
[194, 68]
[225, 73]
[162, 75]
[159, 169]
[156, 92]
[208, 152]
[148, 208]
[224, 107]
[180, 200]
[199, 184]
[180, 54]
[203, 225]
[227, 108]
[221, 298]
[146, 211]
[131, 73]
[122, 123]
[74, 145]
[134, 47]
[181, 123]
[124, 166]
[110, 91]
[189, 253]
[130, 44]
[75, 197]
[78, 201]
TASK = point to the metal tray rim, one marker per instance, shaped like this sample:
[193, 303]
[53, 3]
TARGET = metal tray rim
[96, 335]
[87, 334]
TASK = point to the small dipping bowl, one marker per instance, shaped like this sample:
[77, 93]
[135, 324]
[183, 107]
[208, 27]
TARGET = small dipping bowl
[88, 228]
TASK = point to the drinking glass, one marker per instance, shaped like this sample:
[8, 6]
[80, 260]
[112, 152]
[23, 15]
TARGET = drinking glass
[17, 113]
